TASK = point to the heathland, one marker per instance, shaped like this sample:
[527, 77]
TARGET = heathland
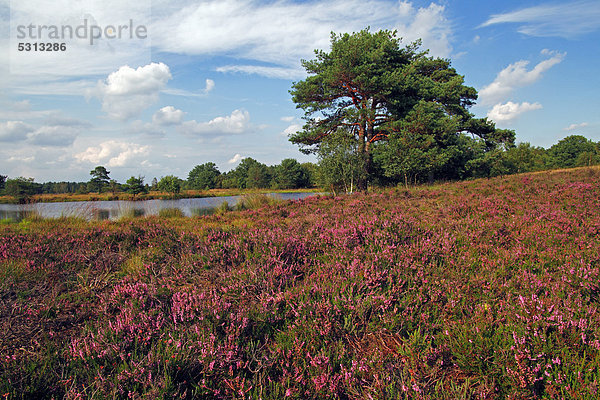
[479, 289]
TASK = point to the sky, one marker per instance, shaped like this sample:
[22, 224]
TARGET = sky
[155, 87]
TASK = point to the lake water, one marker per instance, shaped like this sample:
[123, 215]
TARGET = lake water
[116, 209]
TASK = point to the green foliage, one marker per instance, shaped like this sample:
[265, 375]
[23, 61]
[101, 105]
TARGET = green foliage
[311, 170]
[21, 189]
[99, 178]
[203, 176]
[526, 158]
[170, 184]
[238, 178]
[574, 150]
[135, 185]
[340, 165]
[425, 142]
[492, 163]
[2, 181]
[113, 186]
[259, 176]
[373, 88]
[290, 175]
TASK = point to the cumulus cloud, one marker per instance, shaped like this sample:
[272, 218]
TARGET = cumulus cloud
[517, 75]
[509, 111]
[55, 130]
[168, 115]
[236, 123]
[283, 32]
[567, 19]
[573, 127]
[426, 23]
[14, 131]
[292, 129]
[113, 153]
[127, 91]
[235, 159]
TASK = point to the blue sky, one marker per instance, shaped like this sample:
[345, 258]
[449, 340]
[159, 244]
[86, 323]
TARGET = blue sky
[208, 80]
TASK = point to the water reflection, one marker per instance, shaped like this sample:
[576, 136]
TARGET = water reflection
[17, 215]
[101, 210]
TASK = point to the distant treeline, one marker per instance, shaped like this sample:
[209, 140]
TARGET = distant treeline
[476, 161]
[249, 174]
[572, 151]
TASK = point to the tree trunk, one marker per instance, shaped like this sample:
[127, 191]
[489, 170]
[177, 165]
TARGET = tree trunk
[362, 180]
[366, 164]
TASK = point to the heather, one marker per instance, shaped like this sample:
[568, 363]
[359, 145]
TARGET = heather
[480, 289]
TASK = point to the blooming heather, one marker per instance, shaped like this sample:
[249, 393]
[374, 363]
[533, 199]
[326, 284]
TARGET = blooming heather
[479, 289]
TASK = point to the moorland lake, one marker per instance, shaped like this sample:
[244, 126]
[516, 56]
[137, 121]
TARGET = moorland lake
[118, 208]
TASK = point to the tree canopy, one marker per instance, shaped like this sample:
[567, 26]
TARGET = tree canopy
[99, 178]
[21, 189]
[574, 150]
[373, 88]
[203, 176]
[135, 185]
[170, 184]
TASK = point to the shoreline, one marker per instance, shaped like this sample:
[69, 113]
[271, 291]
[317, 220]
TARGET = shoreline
[122, 196]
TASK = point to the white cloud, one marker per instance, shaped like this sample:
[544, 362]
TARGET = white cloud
[287, 118]
[509, 111]
[210, 85]
[53, 135]
[53, 130]
[149, 130]
[236, 123]
[515, 76]
[283, 32]
[14, 131]
[269, 72]
[168, 115]
[568, 19]
[127, 91]
[573, 127]
[290, 130]
[21, 159]
[113, 153]
[235, 159]
[428, 24]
